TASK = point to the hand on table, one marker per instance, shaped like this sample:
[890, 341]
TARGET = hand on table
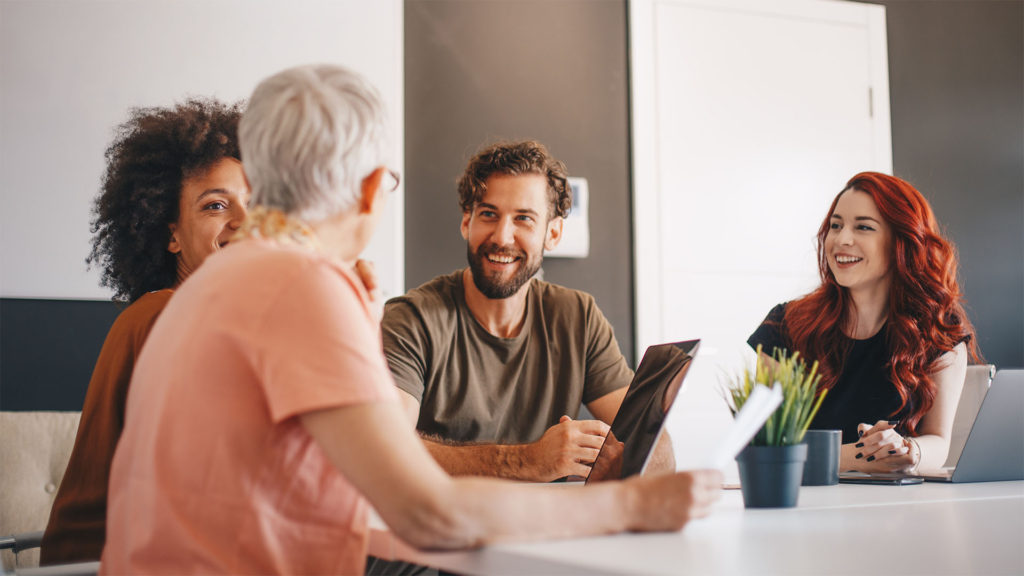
[667, 502]
[568, 448]
[881, 449]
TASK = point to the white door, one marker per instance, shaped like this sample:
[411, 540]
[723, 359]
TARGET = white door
[749, 116]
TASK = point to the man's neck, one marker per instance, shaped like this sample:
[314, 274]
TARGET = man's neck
[503, 318]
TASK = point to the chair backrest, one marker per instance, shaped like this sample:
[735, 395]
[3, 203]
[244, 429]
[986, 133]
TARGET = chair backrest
[34, 451]
[976, 384]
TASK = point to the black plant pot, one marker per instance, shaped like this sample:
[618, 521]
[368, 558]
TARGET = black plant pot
[770, 475]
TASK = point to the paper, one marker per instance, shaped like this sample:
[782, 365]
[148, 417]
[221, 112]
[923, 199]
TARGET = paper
[722, 448]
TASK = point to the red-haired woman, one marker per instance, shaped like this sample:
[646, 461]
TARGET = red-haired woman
[886, 326]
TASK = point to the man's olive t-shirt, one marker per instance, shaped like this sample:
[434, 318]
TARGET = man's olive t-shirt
[476, 387]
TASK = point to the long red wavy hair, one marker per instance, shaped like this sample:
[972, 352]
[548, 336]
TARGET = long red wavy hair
[926, 316]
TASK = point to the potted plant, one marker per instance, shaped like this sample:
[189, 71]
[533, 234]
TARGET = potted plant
[771, 467]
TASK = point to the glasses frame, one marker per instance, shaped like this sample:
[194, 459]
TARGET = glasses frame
[394, 176]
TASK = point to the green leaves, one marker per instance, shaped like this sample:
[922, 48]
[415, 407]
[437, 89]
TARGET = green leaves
[800, 396]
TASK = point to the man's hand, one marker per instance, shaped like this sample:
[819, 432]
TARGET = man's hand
[568, 448]
[667, 502]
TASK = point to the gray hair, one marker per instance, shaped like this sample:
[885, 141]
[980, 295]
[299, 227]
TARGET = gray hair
[309, 136]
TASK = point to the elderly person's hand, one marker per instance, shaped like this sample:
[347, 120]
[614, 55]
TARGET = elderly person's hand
[368, 274]
[666, 502]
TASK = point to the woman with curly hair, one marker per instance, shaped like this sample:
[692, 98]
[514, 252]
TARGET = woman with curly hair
[173, 193]
[886, 326]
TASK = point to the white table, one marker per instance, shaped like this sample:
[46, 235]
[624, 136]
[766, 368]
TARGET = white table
[847, 529]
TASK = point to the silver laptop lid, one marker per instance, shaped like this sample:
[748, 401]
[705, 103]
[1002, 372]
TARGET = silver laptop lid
[995, 447]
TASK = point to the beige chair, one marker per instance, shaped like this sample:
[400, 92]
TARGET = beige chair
[34, 452]
[976, 384]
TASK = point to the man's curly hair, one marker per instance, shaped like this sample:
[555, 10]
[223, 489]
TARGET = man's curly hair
[152, 155]
[514, 159]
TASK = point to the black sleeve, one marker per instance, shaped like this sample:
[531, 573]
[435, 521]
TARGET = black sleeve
[771, 333]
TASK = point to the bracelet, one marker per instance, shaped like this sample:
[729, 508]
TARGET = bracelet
[912, 444]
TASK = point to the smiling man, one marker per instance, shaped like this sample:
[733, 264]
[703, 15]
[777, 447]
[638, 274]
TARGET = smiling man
[495, 363]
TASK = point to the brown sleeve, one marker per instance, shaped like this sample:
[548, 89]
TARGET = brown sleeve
[607, 369]
[406, 346]
[77, 525]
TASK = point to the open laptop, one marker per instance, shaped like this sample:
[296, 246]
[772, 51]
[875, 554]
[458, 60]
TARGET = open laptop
[995, 446]
[638, 424]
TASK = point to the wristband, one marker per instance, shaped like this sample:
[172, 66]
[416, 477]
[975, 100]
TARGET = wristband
[913, 446]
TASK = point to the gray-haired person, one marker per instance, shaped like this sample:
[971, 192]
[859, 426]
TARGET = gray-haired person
[262, 415]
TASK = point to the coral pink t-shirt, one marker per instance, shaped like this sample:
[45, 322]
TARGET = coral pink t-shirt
[214, 472]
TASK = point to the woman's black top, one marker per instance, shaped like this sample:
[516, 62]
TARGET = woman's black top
[864, 392]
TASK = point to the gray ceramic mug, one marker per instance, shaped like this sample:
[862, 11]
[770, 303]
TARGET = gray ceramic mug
[822, 466]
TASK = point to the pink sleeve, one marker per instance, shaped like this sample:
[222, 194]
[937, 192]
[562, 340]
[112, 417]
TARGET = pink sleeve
[319, 346]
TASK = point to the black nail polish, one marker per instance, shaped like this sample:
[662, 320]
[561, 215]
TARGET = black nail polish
[859, 455]
[858, 445]
[891, 452]
[871, 458]
[893, 422]
[860, 433]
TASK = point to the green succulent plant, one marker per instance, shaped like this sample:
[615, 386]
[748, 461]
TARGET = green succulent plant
[800, 396]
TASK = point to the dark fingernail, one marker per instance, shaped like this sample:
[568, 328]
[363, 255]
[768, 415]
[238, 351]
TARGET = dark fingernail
[893, 422]
[859, 455]
[858, 445]
[871, 458]
[891, 452]
[860, 433]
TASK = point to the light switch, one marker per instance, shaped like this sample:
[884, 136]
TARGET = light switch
[576, 229]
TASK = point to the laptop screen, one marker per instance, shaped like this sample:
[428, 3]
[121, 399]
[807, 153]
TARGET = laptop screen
[640, 419]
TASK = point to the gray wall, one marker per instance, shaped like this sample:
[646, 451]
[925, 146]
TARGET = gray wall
[555, 71]
[956, 73]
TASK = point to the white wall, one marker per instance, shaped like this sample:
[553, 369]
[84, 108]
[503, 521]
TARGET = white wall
[71, 69]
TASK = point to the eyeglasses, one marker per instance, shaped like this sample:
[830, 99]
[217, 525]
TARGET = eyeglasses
[389, 182]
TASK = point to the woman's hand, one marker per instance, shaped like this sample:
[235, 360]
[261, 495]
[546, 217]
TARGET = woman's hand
[368, 275]
[880, 449]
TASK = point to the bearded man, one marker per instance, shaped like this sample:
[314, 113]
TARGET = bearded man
[494, 362]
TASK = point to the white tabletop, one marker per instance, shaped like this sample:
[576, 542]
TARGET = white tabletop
[973, 528]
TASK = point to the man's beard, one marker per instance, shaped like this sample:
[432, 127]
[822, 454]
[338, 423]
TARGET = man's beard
[495, 288]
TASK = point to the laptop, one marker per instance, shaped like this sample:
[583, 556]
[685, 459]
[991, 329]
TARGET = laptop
[994, 450]
[638, 424]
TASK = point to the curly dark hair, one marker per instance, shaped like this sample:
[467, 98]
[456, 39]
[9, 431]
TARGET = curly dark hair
[513, 159]
[152, 154]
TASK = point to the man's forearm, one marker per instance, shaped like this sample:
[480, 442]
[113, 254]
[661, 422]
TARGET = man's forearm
[509, 461]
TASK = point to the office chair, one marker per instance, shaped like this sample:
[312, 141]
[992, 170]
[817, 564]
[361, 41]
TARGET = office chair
[34, 451]
[28, 540]
[17, 543]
